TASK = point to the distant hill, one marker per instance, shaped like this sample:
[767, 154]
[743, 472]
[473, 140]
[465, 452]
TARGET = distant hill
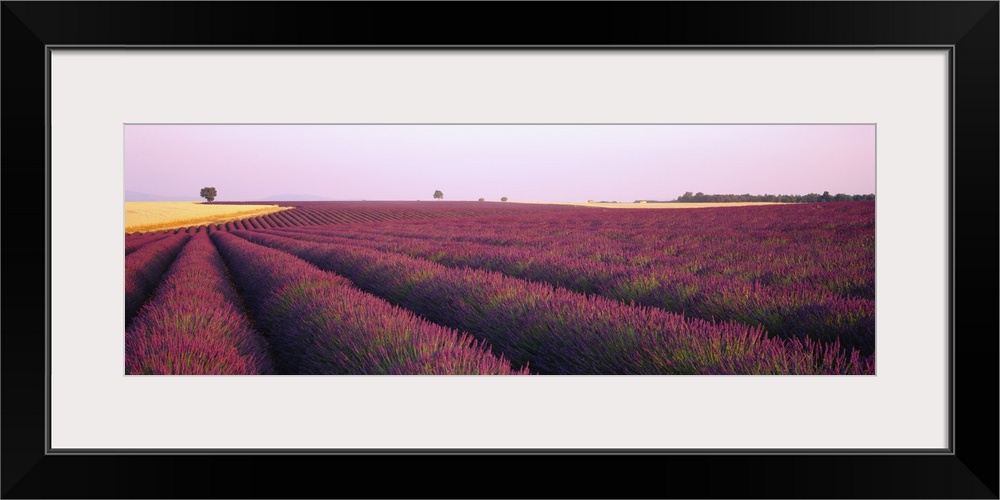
[137, 196]
[294, 197]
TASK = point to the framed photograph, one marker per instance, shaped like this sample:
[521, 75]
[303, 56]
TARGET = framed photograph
[813, 346]
[574, 263]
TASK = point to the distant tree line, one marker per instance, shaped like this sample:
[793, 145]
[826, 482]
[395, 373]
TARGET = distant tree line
[779, 198]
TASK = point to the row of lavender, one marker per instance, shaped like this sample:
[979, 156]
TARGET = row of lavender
[144, 268]
[194, 322]
[558, 331]
[307, 321]
[134, 242]
[727, 288]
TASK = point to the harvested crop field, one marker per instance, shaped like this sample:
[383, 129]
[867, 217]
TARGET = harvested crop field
[146, 216]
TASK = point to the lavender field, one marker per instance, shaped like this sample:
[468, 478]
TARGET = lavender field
[498, 288]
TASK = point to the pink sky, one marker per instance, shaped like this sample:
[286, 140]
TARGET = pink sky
[522, 162]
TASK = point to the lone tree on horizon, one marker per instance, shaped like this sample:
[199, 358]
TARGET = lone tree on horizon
[438, 195]
[503, 199]
[209, 193]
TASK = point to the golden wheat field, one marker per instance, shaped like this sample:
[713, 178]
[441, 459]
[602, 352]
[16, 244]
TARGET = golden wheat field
[141, 216]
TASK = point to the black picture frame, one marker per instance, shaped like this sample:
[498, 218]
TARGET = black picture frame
[969, 470]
